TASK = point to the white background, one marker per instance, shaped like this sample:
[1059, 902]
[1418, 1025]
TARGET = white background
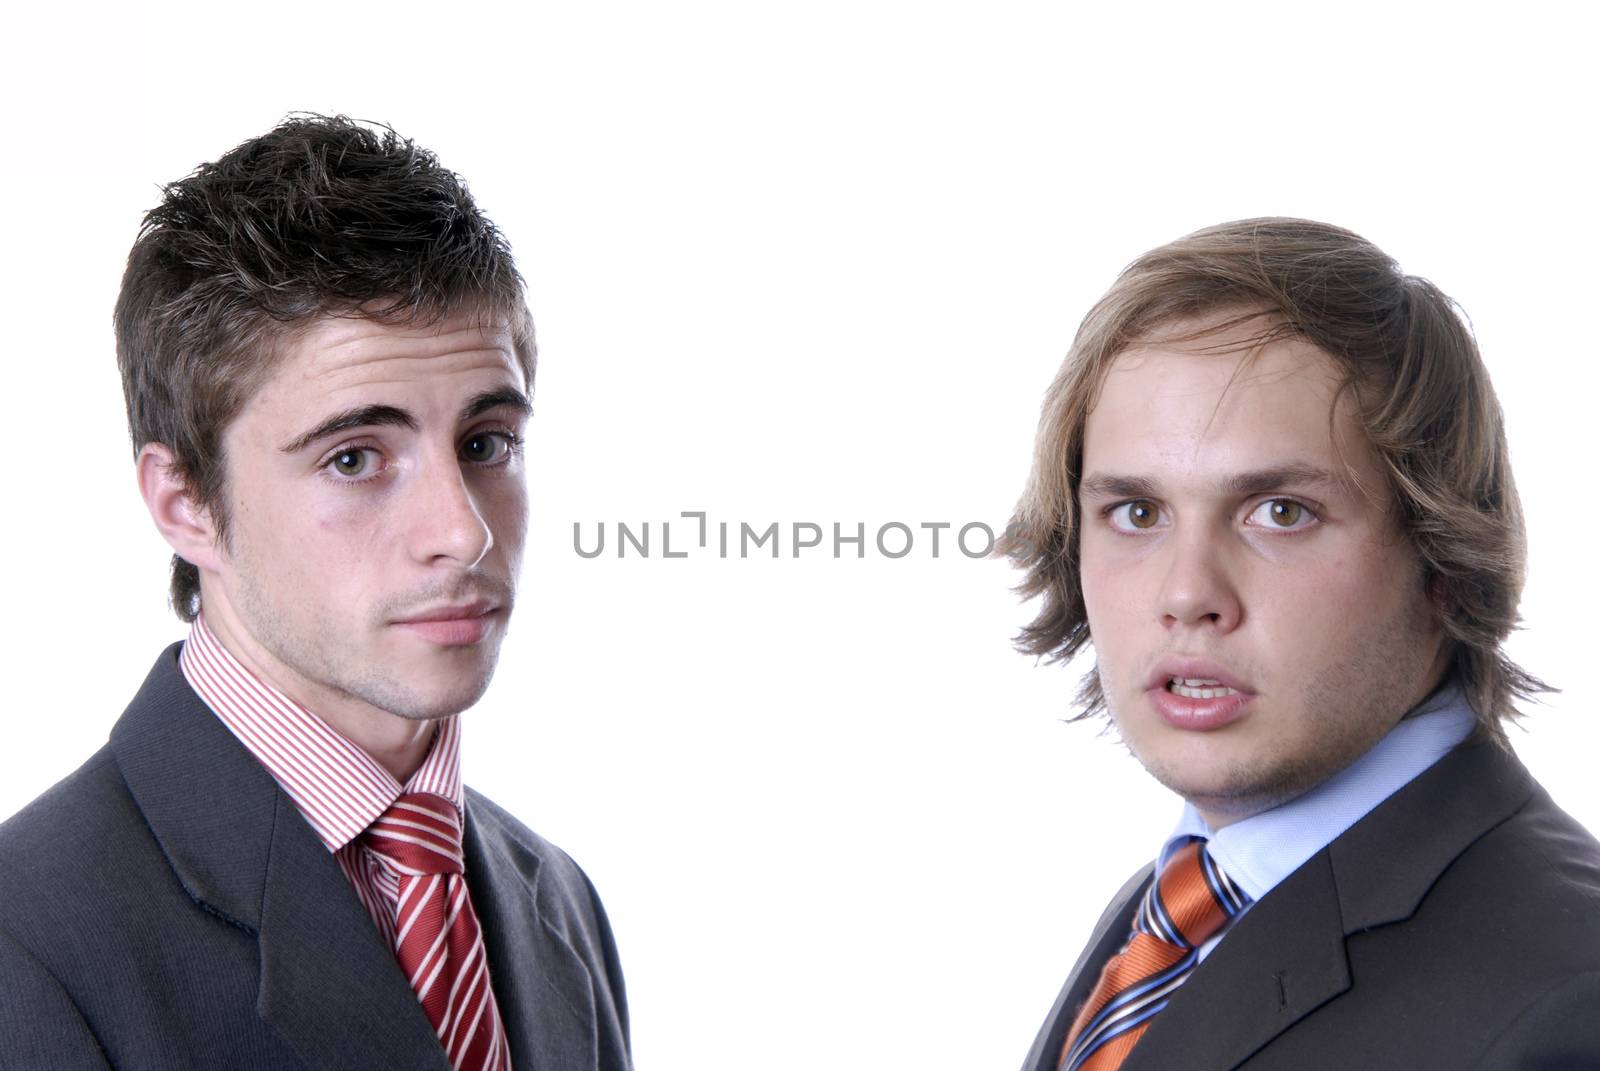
[813, 262]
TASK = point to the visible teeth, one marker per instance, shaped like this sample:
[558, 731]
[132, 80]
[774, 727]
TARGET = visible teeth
[1197, 688]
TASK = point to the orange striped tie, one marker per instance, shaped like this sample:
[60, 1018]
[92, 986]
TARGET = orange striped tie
[1191, 900]
[437, 939]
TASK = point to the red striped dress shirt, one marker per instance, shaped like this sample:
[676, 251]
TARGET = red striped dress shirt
[336, 786]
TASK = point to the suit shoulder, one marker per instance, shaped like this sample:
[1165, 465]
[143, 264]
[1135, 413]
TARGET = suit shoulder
[567, 905]
[567, 901]
[1529, 888]
[1556, 1030]
[54, 851]
[42, 834]
[493, 819]
[500, 827]
[1549, 852]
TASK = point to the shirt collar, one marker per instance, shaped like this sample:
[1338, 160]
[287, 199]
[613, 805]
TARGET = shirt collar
[336, 786]
[1260, 851]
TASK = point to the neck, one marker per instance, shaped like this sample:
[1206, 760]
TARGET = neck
[1221, 813]
[397, 744]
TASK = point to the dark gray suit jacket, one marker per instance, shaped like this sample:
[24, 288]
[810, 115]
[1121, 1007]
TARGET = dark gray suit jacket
[1456, 927]
[166, 906]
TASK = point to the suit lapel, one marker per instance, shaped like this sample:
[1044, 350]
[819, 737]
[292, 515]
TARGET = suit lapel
[243, 853]
[543, 990]
[1109, 935]
[1387, 862]
[1286, 957]
[1280, 962]
[328, 983]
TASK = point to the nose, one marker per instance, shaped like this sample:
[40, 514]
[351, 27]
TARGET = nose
[447, 524]
[1197, 591]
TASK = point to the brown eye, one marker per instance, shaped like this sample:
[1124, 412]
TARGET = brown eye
[1142, 514]
[1136, 516]
[1284, 514]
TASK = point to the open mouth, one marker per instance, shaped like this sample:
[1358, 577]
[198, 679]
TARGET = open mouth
[1198, 688]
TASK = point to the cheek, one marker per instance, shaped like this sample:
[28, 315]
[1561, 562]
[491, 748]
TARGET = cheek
[505, 509]
[356, 513]
[322, 552]
[1326, 611]
[329, 541]
[1110, 597]
[1093, 578]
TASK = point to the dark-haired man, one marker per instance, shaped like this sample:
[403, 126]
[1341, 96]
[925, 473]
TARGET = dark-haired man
[274, 864]
[1272, 490]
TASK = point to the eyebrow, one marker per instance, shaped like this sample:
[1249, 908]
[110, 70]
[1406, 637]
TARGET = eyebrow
[1254, 482]
[362, 416]
[503, 398]
[371, 416]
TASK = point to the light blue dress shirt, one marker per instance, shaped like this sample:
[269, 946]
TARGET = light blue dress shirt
[1260, 851]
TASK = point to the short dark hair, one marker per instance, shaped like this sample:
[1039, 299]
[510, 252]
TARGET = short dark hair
[1420, 390]
[321, 216]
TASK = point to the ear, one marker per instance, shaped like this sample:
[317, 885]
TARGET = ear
[182, 521]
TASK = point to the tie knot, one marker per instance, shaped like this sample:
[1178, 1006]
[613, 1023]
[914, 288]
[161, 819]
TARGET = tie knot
[1190, 900]
[418, 834]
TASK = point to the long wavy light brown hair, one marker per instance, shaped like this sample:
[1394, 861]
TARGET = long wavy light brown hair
[1420, 392]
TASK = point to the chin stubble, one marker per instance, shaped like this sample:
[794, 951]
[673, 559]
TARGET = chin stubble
[1350, 705]
[294, 643]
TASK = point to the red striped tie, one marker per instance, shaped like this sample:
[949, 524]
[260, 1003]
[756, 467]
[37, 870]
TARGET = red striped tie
[437, 939]
[1191, 900]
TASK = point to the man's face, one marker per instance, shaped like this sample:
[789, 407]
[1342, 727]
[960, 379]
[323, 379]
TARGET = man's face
[1223, 543]
[377, 510]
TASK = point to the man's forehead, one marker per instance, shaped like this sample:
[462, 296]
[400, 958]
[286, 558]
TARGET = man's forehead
[337, 352]
[1239, 366]
[436, 371]
[1254, 349]
[1215, 410]
[354, 336]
